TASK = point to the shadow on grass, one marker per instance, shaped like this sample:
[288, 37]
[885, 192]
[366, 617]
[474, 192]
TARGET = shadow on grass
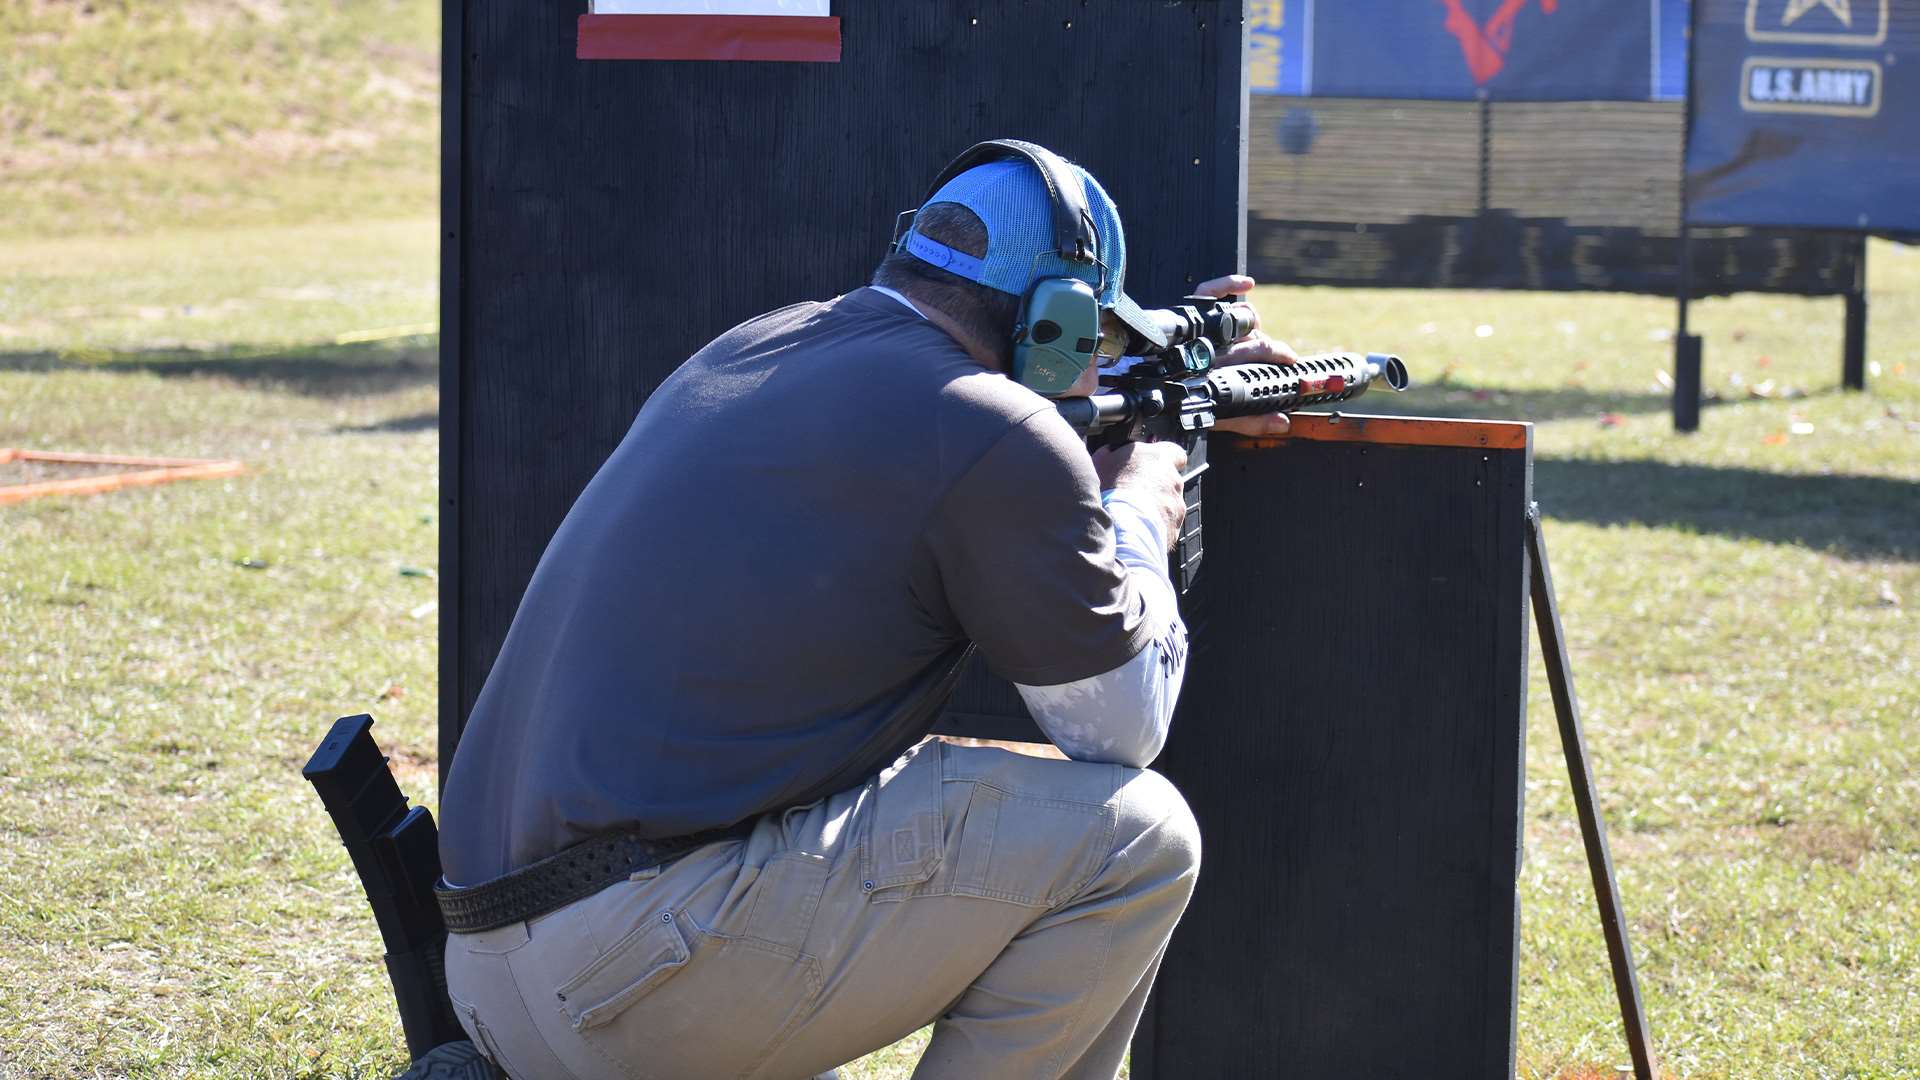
[399, 425]
[313, 370]
[1858, 517]
[1464, 401]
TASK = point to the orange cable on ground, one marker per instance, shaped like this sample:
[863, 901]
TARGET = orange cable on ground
[147, 470]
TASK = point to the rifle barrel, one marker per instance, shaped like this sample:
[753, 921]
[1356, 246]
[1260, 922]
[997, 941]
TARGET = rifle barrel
[1089, 414]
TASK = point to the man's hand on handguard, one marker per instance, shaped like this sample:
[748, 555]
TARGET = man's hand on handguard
[1256, 348]
[1149, 475]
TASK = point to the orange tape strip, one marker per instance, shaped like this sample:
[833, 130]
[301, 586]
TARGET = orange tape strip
[1403, 431]
[157, 471]
[709, 37]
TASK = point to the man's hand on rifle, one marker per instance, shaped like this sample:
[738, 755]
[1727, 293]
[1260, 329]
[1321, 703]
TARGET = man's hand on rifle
[1256, 348]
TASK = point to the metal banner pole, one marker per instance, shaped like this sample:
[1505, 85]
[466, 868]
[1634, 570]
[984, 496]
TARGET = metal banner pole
[1686, 349]
[1853, 359]
[1686, 346]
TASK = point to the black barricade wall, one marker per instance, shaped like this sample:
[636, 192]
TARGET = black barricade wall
[605, 219]
[1522, 195]
[1350, 740]
[1350, 726]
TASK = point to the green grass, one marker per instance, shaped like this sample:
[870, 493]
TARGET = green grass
[117, 116]
[174, 902]
[202, 202]
[191, 292]
[1740, 610]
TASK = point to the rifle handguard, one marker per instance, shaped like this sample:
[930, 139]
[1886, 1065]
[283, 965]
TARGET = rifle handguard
[1240, 390]
[1250, 389]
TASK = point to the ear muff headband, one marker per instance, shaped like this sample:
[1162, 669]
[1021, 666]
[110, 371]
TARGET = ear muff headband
[1073, 233]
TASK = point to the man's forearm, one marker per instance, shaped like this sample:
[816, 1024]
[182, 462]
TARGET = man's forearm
[1121, 716]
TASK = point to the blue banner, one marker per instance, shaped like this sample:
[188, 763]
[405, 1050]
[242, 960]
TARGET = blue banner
[1462, 50]
[1806, 114]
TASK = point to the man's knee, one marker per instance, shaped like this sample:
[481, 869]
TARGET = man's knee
[1156, 829]
[1133, 821]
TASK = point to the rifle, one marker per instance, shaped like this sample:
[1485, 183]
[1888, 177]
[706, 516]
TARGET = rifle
[1174, 394]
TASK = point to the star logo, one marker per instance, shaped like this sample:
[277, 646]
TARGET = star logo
[1842, 10]
[1778, 22]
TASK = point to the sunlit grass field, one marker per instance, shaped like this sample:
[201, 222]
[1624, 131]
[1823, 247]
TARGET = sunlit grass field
[122, 115]
[1740, 603]
[173, 902]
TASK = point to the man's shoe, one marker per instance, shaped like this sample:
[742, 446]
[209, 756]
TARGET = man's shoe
[453, 1061]
[462, 1061]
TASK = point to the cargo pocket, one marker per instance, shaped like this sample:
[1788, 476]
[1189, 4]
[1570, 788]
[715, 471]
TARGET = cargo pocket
[1036, 852]
[905, 839]
[636, 965]
[688, 1001]
[784, 900]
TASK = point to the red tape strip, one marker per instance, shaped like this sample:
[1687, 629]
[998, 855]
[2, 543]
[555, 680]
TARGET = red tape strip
[810, 38]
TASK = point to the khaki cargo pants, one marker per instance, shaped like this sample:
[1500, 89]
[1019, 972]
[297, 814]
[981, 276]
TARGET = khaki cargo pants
[1020, 904]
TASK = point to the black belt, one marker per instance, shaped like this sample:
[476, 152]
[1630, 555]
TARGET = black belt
[565, 876]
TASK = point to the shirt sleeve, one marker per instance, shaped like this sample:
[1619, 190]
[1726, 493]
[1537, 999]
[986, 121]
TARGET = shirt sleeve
[1026, 561]
[1122, 716]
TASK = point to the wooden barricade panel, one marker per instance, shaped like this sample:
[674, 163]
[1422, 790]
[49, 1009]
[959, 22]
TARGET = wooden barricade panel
[1350, 729]
[1350, 739]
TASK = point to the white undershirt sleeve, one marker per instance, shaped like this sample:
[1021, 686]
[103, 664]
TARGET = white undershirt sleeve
[1121, 716]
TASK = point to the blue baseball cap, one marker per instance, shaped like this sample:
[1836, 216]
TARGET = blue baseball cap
[1010, 198]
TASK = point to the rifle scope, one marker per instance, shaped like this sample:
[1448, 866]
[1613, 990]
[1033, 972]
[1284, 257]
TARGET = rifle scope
[1203, 317]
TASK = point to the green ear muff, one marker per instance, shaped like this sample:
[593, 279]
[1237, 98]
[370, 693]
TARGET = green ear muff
[1059, 333]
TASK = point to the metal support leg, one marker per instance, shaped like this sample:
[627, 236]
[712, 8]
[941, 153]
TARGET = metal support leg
[1853, 361]
[1686, 347]
[1686, 382]
[1553, 650]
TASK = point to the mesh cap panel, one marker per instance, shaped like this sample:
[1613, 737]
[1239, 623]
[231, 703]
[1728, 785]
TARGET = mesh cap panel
[1011, 200]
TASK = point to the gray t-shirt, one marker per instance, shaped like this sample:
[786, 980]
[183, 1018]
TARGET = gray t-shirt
[760, 597]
